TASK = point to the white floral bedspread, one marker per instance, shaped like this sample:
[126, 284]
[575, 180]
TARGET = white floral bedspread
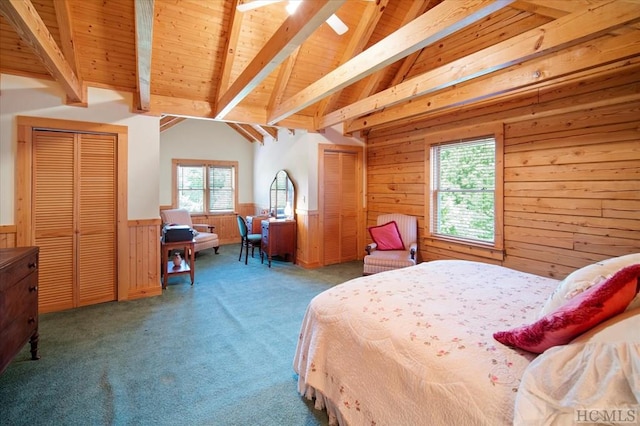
[414, 346]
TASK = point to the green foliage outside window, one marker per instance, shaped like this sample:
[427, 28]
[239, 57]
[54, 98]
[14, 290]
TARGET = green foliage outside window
[465, 190]
[191, 188]
[200, 185]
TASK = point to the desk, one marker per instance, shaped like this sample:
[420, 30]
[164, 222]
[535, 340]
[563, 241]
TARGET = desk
[278, 239]
[188, 265]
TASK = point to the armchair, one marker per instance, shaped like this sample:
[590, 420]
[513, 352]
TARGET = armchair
[394, 246]
[205, 237]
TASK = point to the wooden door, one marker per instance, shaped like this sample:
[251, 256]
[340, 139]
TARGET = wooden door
[340, 194]
[74, 218]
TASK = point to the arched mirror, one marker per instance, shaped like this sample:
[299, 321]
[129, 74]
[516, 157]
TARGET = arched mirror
[282, 196]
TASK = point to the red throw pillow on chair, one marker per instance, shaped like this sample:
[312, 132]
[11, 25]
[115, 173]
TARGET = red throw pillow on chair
[387, 236]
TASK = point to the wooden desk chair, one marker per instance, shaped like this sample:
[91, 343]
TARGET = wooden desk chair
[248, 240]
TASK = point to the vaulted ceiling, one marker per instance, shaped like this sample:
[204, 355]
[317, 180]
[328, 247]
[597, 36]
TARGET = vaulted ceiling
[259, 67]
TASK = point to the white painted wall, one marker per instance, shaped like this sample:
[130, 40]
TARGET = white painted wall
[150, 152]
[205, 140]
[297, 154]
[42, 98]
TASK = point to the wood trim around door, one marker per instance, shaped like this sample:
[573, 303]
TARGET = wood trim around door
[24, 184]
[359, 152]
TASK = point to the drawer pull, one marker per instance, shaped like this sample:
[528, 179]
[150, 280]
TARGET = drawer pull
[33, 265]
[31, 320]
[33, 288]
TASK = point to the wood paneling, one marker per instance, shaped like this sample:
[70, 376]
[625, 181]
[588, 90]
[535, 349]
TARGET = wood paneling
[571, 176]
[7, 236]
[144, 258]
[308, 248]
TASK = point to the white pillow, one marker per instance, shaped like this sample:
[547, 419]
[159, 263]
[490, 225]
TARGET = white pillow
[584, 278]
[598, 371]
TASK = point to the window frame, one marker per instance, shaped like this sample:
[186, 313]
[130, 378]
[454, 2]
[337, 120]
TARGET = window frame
[175, 163]
[439, 242]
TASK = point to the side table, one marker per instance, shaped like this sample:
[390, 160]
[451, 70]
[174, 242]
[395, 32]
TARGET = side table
[188, 265]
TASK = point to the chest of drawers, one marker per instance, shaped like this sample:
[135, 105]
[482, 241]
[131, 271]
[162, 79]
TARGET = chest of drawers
[18, 302]
[279, 239]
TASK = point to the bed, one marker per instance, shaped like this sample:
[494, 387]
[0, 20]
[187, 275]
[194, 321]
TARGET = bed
[416, 346]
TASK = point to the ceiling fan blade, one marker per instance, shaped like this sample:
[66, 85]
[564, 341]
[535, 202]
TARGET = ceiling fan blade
[337, 25]
[244, 7]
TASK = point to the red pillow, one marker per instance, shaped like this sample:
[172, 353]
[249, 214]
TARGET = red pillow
[387, 236]
[578, 315]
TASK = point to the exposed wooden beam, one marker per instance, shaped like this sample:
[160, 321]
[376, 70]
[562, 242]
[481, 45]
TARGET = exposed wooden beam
[534, 101]
[446, 18]
[584, 57]
[416, 10]
[281, 81]
[168, 121]
[248, 132]
[555, 10]
[25, 20]
[202, 109]
[563, 32]
[371, 84]
[293, 32]
[255, 134]
[144, 44]
[272, 131]
[241, 132]
[358, 41]
[65, 28]
[231, 44]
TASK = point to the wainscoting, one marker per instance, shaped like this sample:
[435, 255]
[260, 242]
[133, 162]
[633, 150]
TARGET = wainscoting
[7, 236]
[144, 258]
[143, 266]
[308, 248]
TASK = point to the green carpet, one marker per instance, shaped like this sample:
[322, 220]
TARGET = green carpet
[219, 352]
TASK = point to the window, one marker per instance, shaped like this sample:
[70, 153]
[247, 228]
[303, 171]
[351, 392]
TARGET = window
[205, 186]
[463, 190]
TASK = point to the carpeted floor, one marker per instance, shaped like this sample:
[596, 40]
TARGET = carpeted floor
[216, 353]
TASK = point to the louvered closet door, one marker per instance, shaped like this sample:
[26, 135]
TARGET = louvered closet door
[54, 178]
[74, 218]
[97, 219]
[340, 207]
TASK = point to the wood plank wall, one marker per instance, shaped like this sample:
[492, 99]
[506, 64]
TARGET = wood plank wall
[571, 176]
[572, 189]
[7, 236]
[144, 258]
[308, 230]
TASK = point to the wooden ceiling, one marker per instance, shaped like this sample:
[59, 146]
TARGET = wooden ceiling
[400, 61]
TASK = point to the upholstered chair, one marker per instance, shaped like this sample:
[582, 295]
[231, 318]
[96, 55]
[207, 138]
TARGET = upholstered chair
[205, 237]
[395, 243]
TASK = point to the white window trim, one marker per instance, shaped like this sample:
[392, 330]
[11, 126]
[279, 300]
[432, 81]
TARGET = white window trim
[493, 250]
